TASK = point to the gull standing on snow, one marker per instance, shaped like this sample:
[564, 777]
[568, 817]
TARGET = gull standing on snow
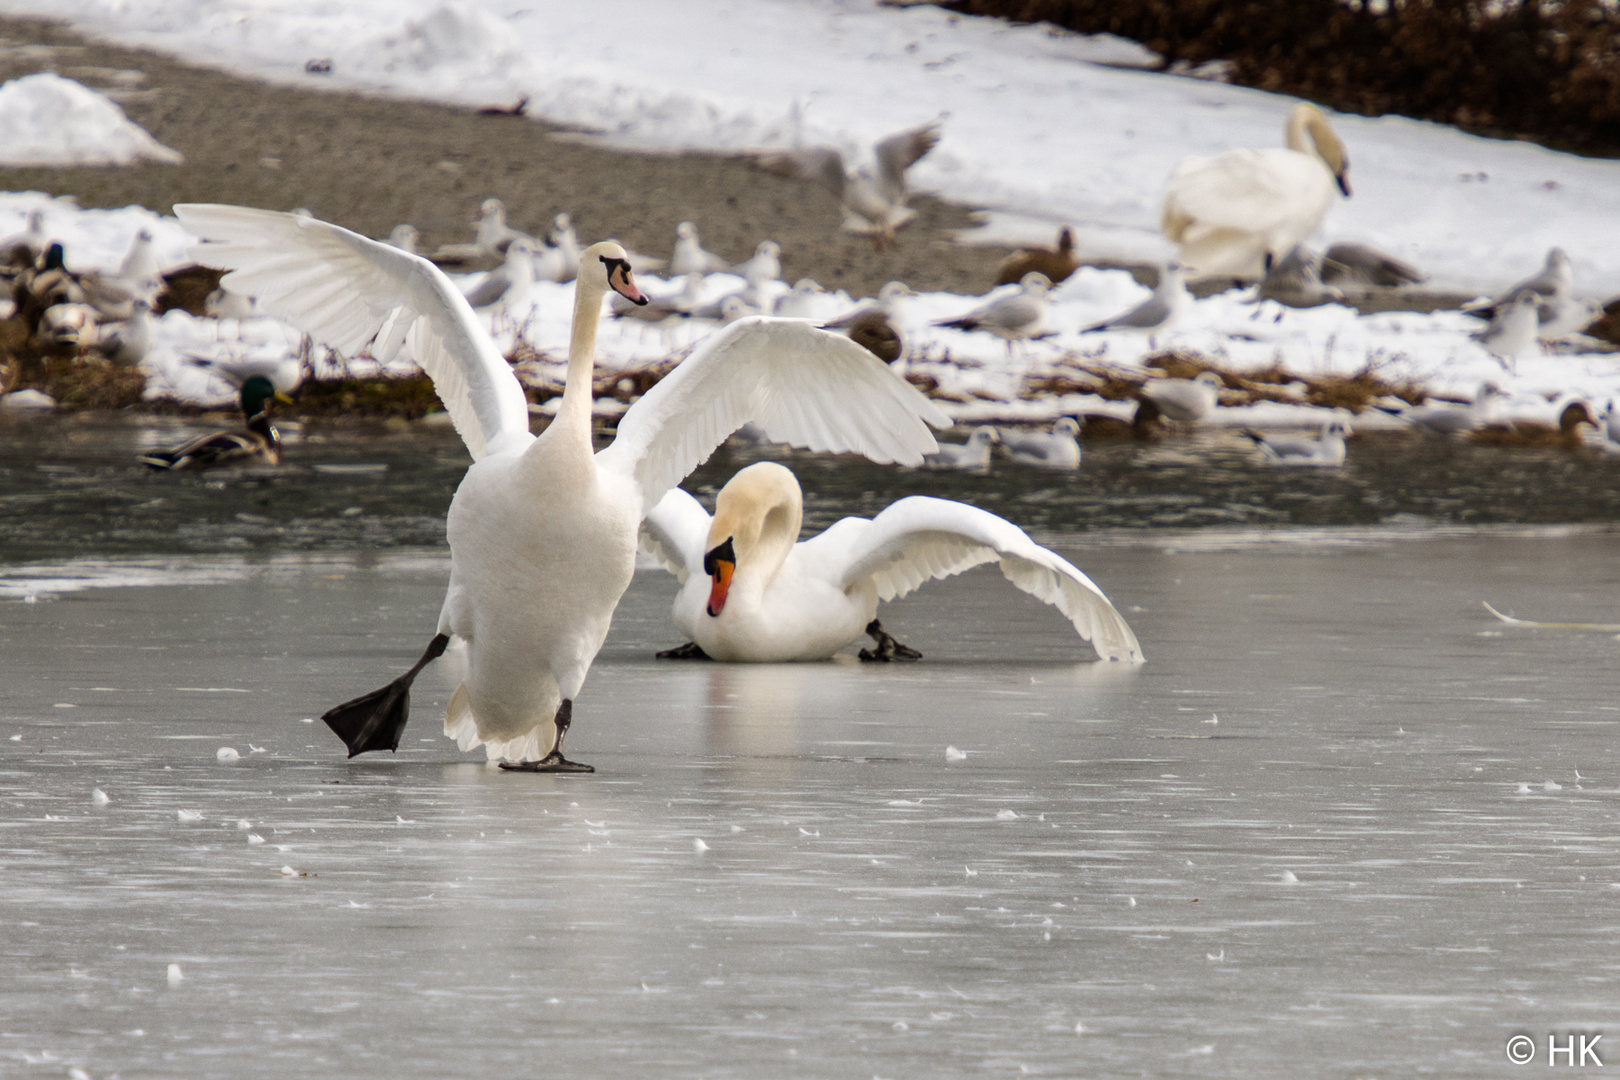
[874, 202]
[491, 238]
[542, 530]
[1512, 332]
[1185, 400]
[1326, 449]
[1226, 213]
[1558, 313]
[1158, 312]
[1019, 316]
[765, 264]
[689, 256]
[753, 593]
[510, 278]
[973, 454]
[1056, 449]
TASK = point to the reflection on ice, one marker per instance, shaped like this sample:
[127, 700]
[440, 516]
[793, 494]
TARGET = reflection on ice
[1385, 837]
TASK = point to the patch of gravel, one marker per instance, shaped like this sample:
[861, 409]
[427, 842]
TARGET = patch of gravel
[370, 163]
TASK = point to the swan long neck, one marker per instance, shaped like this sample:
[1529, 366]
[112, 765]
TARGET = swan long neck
[760, 510]
[577, 391]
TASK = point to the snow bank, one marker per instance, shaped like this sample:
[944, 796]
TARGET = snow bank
[1042, 127]
[48, 120]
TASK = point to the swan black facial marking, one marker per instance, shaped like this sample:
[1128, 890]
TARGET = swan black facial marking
[722, 553]
[621, 268]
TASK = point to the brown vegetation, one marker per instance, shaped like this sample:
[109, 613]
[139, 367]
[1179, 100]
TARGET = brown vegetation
[1546, 69]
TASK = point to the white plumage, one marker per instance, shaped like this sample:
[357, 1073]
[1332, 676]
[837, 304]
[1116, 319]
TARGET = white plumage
[790, 600]
[542, 531]
[1226, 213]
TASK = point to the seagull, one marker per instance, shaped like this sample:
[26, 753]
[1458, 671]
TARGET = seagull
[1295, 281]
[511, 278]
[1056, 265]
[973, 454]
[753, 593]
[491, 239]
[563, 239]
[1057, 449]
[1327, 449]
[874, 203]
[800, 303]
[765, 265]
[1558, 313]
[1018, 316]
[23, 249]
[689, 256]
[139, 278]
[1185, 400]
[1447, 419]
[1359, 265]
[404, 237]
[1512, 332]
[127, 343]
[542, 530]
[1158, 312]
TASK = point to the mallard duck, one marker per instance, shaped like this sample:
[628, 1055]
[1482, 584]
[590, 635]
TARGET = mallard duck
[221, 447]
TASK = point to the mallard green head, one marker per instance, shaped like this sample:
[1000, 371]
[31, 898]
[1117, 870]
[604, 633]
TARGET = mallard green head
[256, 394]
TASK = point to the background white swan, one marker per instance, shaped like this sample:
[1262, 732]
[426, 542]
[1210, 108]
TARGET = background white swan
[752, 592]
[1226, 213]
[542, 531]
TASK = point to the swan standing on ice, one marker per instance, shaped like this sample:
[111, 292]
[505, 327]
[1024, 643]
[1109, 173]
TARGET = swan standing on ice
[1227, 213]
[542, 530]
[752, 592]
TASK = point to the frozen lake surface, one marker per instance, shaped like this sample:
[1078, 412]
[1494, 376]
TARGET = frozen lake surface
[1395, 849]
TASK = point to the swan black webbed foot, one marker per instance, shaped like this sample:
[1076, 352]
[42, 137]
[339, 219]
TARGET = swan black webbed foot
[887, 648]
[690, 651]
[553, 762]
[375, 721]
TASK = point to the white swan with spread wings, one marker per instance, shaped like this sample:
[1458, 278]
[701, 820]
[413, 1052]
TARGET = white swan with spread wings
[543, 531]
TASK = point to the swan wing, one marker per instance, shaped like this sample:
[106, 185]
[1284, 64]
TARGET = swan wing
[800, 385]
[921, 538]
[673, 533]
[346, 290]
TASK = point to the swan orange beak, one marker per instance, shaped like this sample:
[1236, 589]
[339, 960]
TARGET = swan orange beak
[720, 564]
[619, 279]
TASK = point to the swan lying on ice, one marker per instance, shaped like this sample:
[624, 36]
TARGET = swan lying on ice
[752, 591]
[543, 531]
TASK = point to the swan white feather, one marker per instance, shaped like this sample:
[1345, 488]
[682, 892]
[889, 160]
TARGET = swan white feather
[345, 289]
[797, 384]
[806, 600]
[543, 531]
